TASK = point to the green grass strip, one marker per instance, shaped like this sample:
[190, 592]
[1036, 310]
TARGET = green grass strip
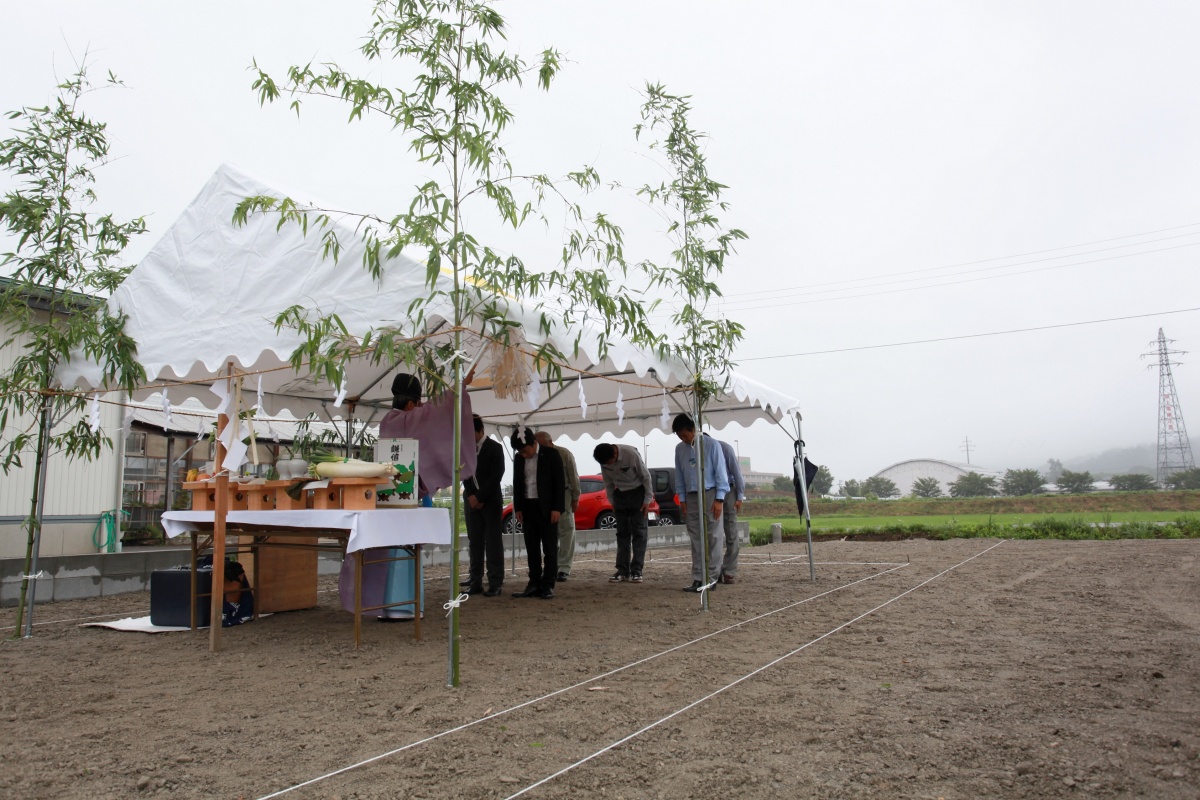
[1061, 528]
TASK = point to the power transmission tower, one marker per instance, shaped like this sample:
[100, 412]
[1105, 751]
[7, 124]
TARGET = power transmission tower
[966, 445]
[1174, 449]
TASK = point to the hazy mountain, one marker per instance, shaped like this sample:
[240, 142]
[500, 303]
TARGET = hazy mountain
[1117, 461]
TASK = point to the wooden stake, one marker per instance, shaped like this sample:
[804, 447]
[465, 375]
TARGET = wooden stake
[220, 511]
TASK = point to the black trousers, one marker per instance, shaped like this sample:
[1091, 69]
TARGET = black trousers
[485, 540]
[541, 544]
[632, 534]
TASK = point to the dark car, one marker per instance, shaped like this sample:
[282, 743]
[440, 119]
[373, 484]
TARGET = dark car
[594, 509]
[663, 480]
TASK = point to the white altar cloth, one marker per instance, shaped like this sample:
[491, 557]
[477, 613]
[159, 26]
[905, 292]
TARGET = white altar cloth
[389, 527]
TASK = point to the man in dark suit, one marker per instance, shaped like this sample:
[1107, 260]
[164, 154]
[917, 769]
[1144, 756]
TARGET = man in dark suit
[484, 514]
[539, 490]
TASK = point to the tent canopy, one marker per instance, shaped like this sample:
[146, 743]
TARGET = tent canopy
[209, 293]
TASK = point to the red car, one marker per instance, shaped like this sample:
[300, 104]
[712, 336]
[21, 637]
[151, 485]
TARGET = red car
[594, 509]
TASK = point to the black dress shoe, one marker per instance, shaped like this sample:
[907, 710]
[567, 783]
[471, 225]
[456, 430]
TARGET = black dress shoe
[475, 588]
[562, 576]
[528, 591]
[492, 591]
[464, 583]
[695, 587]
[546, 594]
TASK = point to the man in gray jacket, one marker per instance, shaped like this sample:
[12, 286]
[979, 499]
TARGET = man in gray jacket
[629, 489]
[737, 493]
[566, 522]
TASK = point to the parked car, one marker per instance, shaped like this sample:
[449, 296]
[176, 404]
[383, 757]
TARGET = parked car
[663, 480]
[594, 509]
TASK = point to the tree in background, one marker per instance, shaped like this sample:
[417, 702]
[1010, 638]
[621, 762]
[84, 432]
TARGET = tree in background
[1132, 482]
[1018, 482]
[822, 481]
[852, 488]
[1075, 482]
[973, 485]
[1054, 468]
[880, 487]
[782, 484]
[1185, 479]
[926, 487]
[65, 255]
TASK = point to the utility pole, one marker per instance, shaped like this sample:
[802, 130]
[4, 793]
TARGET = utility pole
[1174, 448]
[966, 445]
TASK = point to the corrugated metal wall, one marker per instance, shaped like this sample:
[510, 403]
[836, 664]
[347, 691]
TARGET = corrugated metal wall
[75, 488]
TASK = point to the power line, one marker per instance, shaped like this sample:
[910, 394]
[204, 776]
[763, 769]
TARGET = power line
[723, 308]
[989, 260]
[984, 269]
[970, 335]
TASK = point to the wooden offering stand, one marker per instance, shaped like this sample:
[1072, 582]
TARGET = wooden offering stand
[283, 569]
[352, 494]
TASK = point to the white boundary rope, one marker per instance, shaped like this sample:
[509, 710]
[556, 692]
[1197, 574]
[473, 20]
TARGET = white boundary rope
[745, 677]
[65, 621]
[566, 689]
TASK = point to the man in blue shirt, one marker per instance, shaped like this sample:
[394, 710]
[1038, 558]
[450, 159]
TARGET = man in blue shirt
[687, 486]
[737, 493]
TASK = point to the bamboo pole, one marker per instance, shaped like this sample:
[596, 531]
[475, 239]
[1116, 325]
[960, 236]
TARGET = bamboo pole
[698, 447]
[29, 582]
[220, 511]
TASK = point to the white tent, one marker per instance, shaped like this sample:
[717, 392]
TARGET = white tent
[209, 292]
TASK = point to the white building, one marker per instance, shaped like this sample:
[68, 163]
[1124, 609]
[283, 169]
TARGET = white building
[78, 492]
[905, 473]
[757, 480]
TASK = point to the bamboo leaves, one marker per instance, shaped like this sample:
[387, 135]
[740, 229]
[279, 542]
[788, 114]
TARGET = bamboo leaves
[452, 114]
[64, 254]
[690, 199]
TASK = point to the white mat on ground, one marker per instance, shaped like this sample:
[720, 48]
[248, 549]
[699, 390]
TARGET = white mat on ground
[134, 624]
[143, 625]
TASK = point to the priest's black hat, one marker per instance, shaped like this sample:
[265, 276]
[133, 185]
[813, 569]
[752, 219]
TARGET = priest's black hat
[405, 387]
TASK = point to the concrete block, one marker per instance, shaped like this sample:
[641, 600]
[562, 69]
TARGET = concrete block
[63, 567]
[127, 585]
[74, 588]
[10, 590]
[154, 560]
[329, 563]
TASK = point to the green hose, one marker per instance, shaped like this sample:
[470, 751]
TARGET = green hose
[104, 537]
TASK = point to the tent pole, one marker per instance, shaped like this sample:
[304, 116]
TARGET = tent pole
[799, 466]
[511, 456]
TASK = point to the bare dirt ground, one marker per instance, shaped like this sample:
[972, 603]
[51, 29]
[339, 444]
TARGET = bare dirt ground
[1029, 669]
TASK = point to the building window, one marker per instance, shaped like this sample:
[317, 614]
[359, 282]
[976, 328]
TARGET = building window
[135, 442]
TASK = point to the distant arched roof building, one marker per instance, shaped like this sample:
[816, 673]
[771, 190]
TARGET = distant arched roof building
[905, 473]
